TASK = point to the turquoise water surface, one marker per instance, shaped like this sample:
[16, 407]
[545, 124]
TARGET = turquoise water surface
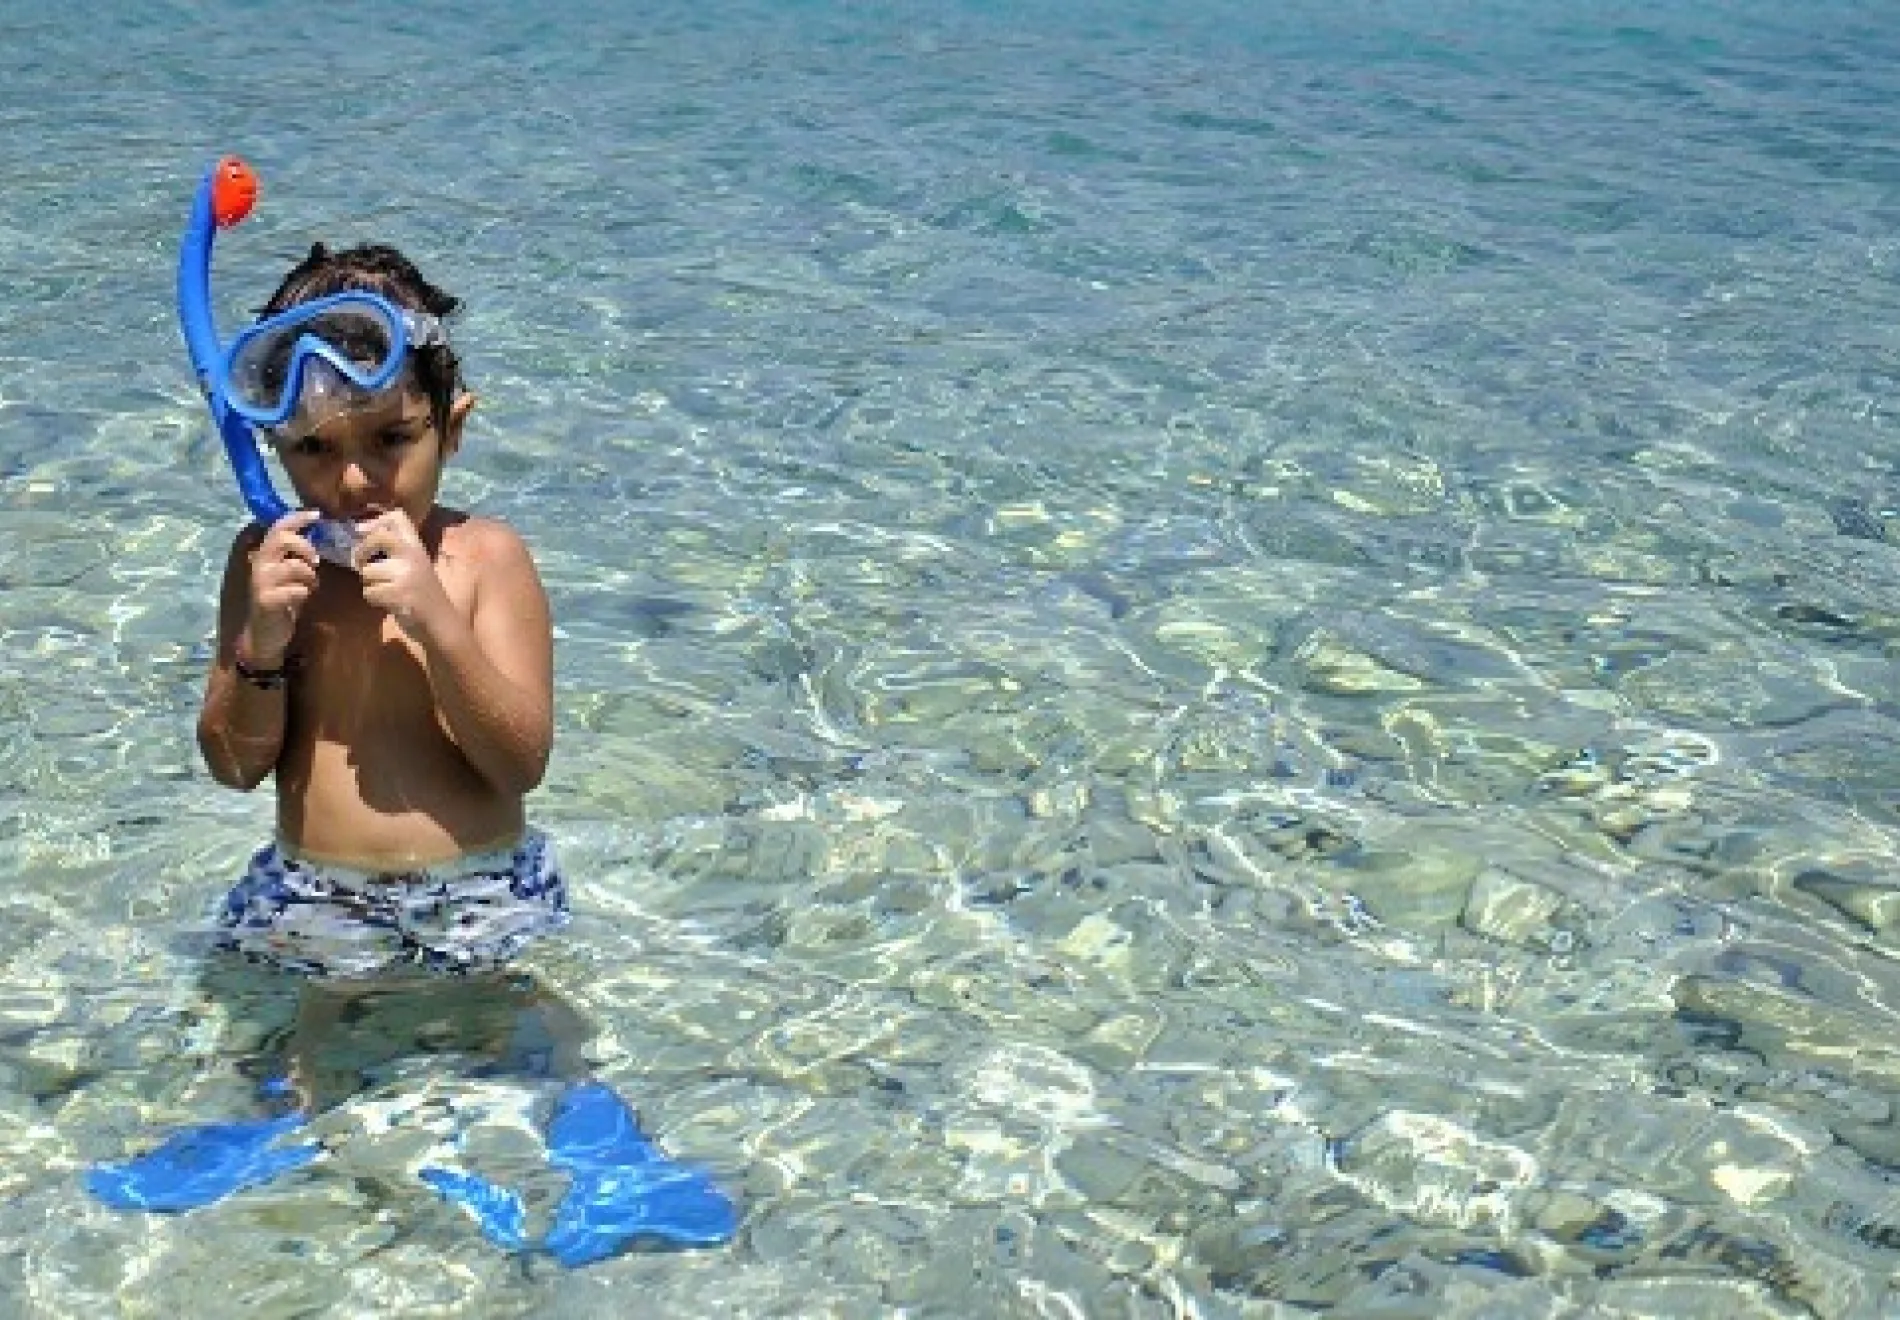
[1215, 659]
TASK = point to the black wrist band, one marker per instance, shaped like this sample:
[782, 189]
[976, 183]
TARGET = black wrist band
[268, 679]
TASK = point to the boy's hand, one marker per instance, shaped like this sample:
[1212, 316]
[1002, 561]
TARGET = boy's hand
[283, 574]
[399, 575]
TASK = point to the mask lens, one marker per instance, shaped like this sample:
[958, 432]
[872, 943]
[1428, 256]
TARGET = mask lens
[269, 364]
[327, 395]
[364, 340]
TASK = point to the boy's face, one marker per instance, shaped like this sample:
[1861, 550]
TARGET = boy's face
[372, 456]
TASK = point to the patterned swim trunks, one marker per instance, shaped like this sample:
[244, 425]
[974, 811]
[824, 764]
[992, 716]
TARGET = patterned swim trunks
[470, 914]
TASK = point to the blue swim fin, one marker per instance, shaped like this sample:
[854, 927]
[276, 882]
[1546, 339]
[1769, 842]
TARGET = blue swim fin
[497, 1210]
[198, 1165]
[624, 1186]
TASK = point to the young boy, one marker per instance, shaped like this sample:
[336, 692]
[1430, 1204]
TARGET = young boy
[403, 703]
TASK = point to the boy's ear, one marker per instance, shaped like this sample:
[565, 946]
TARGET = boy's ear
[458, 414]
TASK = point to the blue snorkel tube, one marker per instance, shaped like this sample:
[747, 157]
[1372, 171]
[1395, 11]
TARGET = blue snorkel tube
[225, 196]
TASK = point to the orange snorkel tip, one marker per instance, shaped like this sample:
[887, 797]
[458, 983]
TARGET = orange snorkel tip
[233, 191]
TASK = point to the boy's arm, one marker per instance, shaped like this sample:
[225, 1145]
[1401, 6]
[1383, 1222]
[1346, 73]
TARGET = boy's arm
[493, 672]
[240, 726]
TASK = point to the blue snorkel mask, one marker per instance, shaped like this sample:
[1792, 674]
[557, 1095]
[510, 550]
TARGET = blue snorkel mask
[330, 352]
[326, 355]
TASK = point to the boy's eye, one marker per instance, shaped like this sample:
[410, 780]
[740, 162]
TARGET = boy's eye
[306, 446]
[397, 439]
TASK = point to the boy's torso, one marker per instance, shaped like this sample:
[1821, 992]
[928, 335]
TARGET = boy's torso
[368, 775]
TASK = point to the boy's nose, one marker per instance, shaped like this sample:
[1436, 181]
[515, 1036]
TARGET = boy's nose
[356, 480]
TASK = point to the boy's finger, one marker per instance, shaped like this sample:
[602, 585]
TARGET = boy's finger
[379, 542]
[375, 569]
[296, 520]
[289, 550]
[305, 552]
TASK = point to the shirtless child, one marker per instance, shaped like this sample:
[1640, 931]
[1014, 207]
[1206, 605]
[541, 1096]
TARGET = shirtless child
[402, 702]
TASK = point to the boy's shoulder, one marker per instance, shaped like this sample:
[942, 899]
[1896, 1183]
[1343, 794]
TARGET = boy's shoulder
[481, 543]
[471, 532]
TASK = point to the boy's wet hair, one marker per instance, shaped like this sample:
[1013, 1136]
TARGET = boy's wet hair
[380, 269]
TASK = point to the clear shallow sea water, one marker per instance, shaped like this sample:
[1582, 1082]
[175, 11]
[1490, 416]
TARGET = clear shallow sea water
[1215, 660]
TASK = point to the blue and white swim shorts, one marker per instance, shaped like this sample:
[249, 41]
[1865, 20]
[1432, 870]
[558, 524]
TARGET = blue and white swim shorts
[467, 915]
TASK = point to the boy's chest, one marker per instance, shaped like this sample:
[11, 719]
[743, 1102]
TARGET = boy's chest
[339, 631]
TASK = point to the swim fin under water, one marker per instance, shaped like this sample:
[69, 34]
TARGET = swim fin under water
[198, 1165]
[623, 1189]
